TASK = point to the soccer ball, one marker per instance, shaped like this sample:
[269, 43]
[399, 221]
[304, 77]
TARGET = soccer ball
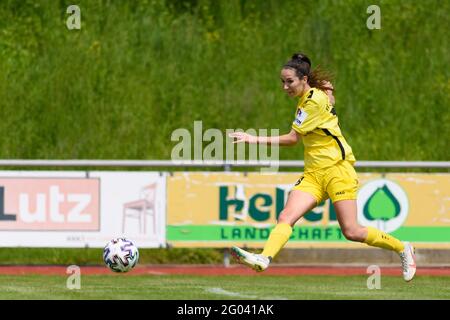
[120, 255]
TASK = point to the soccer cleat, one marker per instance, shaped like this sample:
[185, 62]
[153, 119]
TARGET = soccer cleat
[257, 262]
[408, 261]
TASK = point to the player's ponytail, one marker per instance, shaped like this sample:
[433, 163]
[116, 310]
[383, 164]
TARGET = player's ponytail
[317, 78]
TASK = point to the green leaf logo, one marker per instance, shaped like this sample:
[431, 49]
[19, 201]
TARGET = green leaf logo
[381, 205]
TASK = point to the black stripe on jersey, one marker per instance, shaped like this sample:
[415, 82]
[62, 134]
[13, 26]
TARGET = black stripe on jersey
[328, 133]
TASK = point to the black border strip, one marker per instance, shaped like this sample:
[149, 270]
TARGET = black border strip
[328, 133]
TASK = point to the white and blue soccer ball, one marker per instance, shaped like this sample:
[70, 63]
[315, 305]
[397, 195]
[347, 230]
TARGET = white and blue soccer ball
[120, 255]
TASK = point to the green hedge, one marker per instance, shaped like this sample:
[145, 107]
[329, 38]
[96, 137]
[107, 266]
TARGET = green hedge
[137, 70]
[91, 256]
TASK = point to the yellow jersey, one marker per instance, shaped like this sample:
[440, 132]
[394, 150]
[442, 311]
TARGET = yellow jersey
[316, 121]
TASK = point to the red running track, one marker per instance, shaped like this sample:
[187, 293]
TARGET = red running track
[214, 270]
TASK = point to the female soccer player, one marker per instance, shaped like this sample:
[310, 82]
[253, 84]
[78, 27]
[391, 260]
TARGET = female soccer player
[328, 171]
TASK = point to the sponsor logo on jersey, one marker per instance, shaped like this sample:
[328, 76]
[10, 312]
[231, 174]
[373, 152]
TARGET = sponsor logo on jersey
[301, 117]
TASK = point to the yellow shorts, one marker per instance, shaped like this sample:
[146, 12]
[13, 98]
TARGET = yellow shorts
[338, 182]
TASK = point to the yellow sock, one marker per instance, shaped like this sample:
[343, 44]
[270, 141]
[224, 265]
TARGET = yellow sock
[277, 239]
[377, 238]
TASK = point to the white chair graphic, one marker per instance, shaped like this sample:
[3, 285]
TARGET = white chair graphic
[141, 208]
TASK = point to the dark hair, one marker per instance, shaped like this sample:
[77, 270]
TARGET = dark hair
[301, 64]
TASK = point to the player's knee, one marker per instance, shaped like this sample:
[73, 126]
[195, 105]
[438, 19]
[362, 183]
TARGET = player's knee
[286, 216]
[353, 234]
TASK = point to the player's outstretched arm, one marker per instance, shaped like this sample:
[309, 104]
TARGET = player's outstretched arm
[289, 139]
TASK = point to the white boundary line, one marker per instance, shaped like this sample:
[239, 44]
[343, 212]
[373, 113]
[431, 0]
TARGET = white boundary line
[223, 292]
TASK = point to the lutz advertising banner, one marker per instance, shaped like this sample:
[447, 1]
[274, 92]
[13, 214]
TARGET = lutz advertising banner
[223, 209]
[81, 209]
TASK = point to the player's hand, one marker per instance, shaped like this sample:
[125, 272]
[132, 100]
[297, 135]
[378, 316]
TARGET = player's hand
[329, 91]
[243, 137]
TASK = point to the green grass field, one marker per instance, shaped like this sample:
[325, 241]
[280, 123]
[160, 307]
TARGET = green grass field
[153, 287]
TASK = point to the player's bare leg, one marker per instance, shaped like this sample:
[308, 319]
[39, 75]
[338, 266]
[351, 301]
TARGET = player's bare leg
[346, 212]
[298, 204]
